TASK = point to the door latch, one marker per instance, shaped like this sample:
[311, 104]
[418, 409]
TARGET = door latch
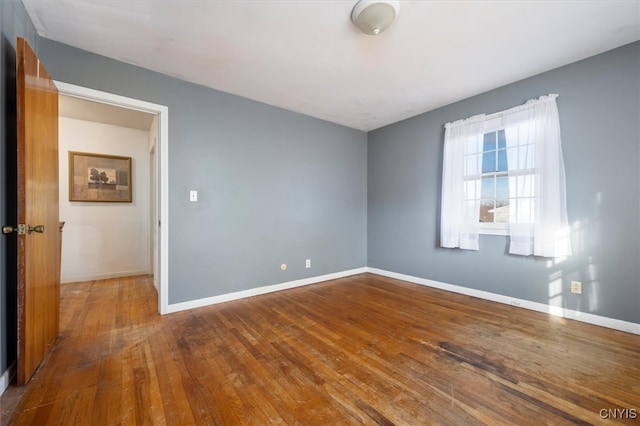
[20, 229]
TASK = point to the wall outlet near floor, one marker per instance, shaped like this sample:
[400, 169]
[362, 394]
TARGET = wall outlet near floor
[283, 266]
[307, 263]
[576, 287]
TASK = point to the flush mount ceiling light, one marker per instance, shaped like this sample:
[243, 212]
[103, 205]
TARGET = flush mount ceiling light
[374, 16]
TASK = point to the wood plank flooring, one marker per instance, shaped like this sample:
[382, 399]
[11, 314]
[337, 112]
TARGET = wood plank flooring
[358, 350]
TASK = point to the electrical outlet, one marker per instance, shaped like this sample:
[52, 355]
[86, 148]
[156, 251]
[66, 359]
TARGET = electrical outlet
[307, 263]
[193, 196]
[283, 266]
[576, 287]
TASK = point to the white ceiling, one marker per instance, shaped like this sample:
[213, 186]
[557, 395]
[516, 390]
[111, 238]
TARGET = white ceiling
[306, 55]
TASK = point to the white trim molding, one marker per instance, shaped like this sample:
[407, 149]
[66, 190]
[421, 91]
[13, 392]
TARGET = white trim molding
[162, 112]
[192, 304]
[616, 324]
[6, 377]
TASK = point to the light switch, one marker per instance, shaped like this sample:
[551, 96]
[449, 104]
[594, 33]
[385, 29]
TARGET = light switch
[193, 196]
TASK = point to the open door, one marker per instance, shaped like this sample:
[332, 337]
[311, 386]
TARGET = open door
[38, 222]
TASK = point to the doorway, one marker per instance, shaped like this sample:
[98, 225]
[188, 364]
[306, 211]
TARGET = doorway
[109, 109]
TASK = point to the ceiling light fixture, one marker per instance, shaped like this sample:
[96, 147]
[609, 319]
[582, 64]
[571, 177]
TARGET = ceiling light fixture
[374, 16]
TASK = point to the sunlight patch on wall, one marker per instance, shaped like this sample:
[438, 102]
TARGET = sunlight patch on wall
[555, 289]
[594, 286]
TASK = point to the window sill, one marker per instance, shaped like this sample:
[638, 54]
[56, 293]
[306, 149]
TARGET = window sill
[497, 229]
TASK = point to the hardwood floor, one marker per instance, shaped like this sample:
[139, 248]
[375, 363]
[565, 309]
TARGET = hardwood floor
[359, 350]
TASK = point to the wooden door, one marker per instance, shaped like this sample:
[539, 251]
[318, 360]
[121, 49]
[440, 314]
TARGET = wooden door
[39, 240]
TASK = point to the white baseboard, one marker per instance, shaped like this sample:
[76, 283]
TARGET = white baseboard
[105, 276]
[183, 306]
[613, 323]
[6, 377]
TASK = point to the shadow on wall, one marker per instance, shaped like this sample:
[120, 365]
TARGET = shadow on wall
[9, 152]
[585, 233]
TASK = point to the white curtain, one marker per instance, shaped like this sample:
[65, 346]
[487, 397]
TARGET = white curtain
[537, 190]
[537, 195]
[460, 214]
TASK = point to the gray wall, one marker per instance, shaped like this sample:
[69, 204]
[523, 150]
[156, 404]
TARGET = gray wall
[599, 106]
[14, 22]
[273, 186]
[278, 187]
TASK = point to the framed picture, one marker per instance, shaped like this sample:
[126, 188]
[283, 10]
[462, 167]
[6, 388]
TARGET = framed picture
[98, 177]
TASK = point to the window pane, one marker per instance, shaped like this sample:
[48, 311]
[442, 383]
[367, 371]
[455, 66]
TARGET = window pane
[502, 141]
[488, 184]
[489, 162]
[472, 145]
[501, 211]
[486, 211]
[502, 187]
[513, 186]
[511, 136]
[524, 210]
[512, 158]
[472, 165]
[472, 189]
[526, 157]
[502, 161]
[525, 186]
[525, 133]
[471, 209]
[489, 141]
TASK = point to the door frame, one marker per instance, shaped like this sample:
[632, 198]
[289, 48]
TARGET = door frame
[162, 172]
[154, 209]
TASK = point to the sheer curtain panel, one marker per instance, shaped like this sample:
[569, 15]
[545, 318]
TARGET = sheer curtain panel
[460, 214]
[537, 190]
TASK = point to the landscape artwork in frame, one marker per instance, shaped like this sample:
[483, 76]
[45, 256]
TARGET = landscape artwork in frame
[98, 177]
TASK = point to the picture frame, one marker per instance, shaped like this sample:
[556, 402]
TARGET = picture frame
[99, 178]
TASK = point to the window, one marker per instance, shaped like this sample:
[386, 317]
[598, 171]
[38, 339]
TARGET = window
[499, 179]
[494, 192]
[504, 175]
[487, 181]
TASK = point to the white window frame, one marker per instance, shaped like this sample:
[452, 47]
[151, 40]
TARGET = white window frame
[492, 124]
[488, 228]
